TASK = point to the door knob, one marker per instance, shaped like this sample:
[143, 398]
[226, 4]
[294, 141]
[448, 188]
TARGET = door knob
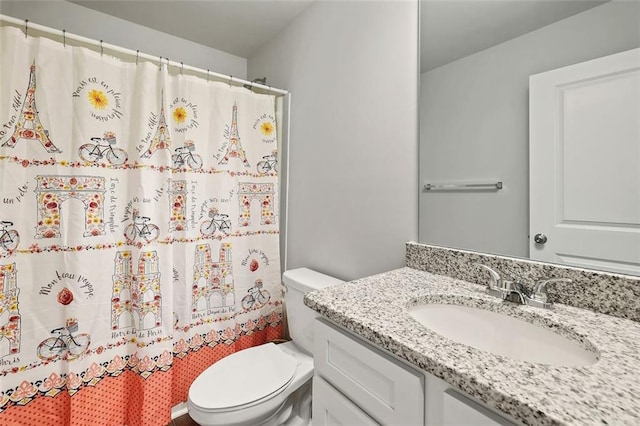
[540, 238]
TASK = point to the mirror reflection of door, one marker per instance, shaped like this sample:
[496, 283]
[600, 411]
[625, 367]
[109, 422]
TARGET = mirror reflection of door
[585, 154]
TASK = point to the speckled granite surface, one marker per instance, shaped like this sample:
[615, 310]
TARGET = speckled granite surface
[611, 294]
[607, 392]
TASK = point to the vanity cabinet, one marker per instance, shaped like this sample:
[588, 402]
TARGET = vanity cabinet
[457, 409]
[330, 407]
[357, 383]
[382, 387]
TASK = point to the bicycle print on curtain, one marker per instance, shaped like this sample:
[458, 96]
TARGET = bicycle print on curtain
[138, 233]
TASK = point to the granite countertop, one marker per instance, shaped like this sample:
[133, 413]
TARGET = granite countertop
[607, 392]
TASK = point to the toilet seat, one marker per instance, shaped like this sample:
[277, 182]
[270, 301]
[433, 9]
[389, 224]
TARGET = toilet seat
[243, 379]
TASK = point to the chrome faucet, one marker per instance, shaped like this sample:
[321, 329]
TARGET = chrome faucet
[515, 292]
[495, 284]
[504, 289]
[539, 295]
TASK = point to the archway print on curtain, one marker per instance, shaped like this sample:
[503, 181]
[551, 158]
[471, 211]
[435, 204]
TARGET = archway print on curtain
[138, 233]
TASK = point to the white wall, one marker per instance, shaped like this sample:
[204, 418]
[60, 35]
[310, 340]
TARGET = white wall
[352, 69]
[100, 26]
[474, 124]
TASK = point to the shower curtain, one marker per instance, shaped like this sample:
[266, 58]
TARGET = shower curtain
[138, 233]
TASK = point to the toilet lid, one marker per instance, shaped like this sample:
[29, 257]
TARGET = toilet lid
[242, 378]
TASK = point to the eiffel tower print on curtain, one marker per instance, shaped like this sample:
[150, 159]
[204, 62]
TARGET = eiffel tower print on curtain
[162, 138]
[29, 128]
[235, 147]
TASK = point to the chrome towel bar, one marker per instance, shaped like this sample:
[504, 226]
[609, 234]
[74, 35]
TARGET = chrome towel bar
[457, 186]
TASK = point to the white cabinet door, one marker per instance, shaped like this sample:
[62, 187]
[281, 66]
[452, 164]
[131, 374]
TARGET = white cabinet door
[458, 410]
[331, 408]
[585, 164]
[390, 392]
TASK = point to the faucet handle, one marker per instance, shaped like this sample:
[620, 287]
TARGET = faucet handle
[495, 279]
[539, 292]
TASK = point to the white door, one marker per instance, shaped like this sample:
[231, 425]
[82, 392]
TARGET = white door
[584, 146]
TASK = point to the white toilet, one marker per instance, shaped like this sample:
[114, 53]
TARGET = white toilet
[268, 384]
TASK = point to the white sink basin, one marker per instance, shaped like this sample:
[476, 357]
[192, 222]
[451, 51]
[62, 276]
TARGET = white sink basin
[502, 335]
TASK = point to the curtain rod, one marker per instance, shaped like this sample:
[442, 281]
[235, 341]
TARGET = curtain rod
[26, 25]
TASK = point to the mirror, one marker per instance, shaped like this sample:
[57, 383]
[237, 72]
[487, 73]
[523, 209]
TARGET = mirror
[476, 60]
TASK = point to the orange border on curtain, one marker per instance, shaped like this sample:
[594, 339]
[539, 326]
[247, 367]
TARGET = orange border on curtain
[129, 399]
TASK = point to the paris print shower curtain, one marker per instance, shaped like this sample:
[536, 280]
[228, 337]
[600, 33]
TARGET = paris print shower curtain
[138, 233]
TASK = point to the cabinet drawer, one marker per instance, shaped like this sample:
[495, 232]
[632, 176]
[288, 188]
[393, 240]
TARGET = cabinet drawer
[331, 408]
[383, 387]
[459, 410]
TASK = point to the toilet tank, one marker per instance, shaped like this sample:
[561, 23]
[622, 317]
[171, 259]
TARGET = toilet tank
[300, 318]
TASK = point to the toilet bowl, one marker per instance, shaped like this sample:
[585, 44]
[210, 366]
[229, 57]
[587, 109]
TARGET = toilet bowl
[267, 384]
[250, 387]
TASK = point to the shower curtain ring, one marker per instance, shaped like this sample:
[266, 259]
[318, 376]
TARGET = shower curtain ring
[137, 55]
[160, 64]
[207, 75]
[64, 38]
[181, 68]
[230, 80]
[101, 48]
[26, 28]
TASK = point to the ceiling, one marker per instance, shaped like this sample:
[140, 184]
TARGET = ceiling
[451, 29]
[238, 27]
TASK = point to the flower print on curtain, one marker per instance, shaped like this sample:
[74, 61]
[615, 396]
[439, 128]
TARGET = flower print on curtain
[138, 233]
